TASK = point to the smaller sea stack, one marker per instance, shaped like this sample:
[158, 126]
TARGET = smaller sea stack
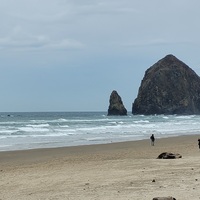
[116, 106]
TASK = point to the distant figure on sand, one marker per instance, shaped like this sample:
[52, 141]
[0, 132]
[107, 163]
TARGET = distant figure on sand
[199, 143]
[152, 139]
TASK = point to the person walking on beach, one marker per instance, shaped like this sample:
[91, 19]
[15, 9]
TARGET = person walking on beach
[152, 139]
[199, 143]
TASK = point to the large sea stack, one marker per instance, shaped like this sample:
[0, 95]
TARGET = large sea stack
[168, 87]
[116, 106]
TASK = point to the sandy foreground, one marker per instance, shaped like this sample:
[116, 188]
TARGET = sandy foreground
[114, 171]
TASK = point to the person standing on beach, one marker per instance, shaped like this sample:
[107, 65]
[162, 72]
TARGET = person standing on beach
[152, 139]
[199, 143]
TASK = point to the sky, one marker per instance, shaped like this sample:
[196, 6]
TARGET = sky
[69, 55]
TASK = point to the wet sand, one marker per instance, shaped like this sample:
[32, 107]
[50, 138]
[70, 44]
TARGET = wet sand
[125, 170]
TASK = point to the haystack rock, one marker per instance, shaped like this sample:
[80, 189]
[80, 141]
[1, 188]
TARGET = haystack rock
[116, 106]
[168, 87]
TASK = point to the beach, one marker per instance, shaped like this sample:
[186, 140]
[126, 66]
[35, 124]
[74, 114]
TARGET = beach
[120, 171]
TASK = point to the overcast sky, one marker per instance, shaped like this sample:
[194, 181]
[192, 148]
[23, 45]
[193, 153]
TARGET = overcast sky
[69, 55]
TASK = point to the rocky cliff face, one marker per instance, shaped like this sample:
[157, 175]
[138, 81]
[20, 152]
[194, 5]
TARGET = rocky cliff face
[168, 87]
[116, 106]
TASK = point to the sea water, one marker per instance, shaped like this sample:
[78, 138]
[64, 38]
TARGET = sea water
[58, 129]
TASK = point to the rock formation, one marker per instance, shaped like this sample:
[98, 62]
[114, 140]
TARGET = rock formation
[168, 87]
[116, 106]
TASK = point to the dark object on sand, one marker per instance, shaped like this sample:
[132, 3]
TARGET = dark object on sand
[116, 106]
[164, 198]
[199, 143]
[168, 87]
[167, 155]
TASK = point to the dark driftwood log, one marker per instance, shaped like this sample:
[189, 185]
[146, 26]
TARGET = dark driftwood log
[167, 155]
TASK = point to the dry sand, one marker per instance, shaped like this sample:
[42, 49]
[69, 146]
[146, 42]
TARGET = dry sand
[108, 172]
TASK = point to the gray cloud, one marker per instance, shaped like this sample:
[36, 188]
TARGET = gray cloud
[75, 23]
[38, 43]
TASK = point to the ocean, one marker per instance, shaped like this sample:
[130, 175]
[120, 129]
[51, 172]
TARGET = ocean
[31, 130]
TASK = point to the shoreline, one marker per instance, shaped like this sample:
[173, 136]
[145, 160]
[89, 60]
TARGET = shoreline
[47, 153]
[122, 170]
